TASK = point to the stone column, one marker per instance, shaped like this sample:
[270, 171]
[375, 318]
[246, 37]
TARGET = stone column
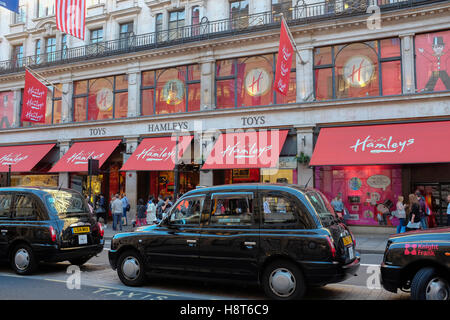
[305, 134]
[207, 78]
[408, 70]
[305, 72]
[134, 95]
[66, 101]
[131, 182]
[207, 142]
[16, 116]
[63, 180]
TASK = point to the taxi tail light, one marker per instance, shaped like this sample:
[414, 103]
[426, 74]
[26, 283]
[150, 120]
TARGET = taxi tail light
[332, 247]
[52, 233]
[101, 230]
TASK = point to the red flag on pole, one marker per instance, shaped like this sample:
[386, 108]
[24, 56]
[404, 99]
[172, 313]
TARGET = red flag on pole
[34, 99]
[284, 61]
[71, 17]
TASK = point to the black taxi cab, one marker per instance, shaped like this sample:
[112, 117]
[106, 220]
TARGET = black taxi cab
[46, 224]
[418, 261]
[282, 237]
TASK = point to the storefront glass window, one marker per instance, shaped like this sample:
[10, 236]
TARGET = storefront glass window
[172, 90]
[357, 70]
[6, 109]
[101, 98]
[249, 82]
[369, 193]
[433, 61]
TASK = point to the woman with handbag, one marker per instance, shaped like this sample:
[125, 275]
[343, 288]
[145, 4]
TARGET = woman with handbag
[414, 213]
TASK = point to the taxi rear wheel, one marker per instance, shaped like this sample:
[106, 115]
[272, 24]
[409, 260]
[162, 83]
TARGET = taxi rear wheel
[130, 268]
[283, 280]
[428, 284]
[23, 260]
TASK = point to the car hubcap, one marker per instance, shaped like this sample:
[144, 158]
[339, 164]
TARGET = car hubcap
[437, 289]
[22, 259]
[131, 268]
[282, 282]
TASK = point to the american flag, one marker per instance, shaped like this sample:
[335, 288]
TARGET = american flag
[71, 17]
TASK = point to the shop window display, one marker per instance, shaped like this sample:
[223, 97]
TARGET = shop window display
[101, 98]
[369, 193]
[172, 90]
[355, 70]
[248, 81]
[433, 61]
[6, 109]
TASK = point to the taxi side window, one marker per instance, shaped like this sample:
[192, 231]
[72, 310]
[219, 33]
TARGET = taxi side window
[283, 210]
[5, 205]
[232, 209]
[187, 211]
[25, 207]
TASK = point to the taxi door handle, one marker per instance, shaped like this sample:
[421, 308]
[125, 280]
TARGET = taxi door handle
[249, 244]
[4, 231]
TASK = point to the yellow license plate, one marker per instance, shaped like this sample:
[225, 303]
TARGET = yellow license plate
[81, 230]
[347, 240]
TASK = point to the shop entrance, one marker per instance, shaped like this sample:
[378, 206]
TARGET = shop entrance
[436, 196]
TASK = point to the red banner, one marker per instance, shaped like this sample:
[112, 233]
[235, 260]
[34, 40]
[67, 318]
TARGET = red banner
[284, 62]
[34, 99]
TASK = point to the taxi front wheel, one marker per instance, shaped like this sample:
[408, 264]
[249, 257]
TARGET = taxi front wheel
[283, 280]
[428, 284]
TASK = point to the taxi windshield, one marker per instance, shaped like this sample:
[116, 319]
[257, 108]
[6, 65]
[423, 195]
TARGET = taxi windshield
[66, 203]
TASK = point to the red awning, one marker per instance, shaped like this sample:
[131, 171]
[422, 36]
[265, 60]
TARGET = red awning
[22, 158]
[76, 159]
[383, 144]
[246, 150]
[157, 154]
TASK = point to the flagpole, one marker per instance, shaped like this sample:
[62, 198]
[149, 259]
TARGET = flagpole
[292, 39]
[39, 77]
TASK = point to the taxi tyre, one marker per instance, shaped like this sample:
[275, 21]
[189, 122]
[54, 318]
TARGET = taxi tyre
[283, 280]
[130, 268]
[421, 281]
[23, 260]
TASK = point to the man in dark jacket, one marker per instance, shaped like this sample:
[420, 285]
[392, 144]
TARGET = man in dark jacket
[423, 210]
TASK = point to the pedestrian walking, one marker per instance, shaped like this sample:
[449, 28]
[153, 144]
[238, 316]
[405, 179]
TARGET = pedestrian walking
[159, 207]
[117, 212]
[141, 213]
[167, 205]
[400, 213]
[125, 208]
[414, 213]
[422, 210]
[151, 211]
[100, 208]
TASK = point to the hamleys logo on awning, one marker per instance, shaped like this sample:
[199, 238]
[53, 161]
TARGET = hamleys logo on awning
[12, 159]
[155, 154]
[82, 157]
[382, 144]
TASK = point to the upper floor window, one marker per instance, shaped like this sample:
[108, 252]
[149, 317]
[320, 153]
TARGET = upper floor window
[249, 82]
[170, 90]
[37, 51]
[125, 30]
[176, 24]
[17, 55]
[21, 16]
[433, 61]
[97, 35]
[100, 98]
[46, 8]
[365, 69]
[50, 48]
[159, 26]
[239, 14]
[281, 6]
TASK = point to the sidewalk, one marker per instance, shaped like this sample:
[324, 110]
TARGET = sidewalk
[366, 241]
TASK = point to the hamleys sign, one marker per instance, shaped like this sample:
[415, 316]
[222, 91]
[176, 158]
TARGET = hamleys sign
[387, 144]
